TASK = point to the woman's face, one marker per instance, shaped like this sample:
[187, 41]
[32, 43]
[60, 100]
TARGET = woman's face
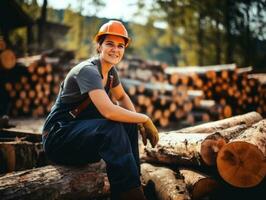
[112, 49]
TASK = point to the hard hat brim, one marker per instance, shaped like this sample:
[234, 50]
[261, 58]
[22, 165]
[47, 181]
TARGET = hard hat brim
[108, 33]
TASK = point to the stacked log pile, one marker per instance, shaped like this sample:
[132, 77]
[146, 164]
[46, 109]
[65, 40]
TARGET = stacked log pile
[148, 87]
[161, 101]
[166, 93]
[30, 87]
[232, 87]
[225, 157]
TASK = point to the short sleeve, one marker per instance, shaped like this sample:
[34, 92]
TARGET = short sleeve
[116, 79]
[89, 79]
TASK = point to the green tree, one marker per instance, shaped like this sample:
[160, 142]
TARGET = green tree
[213, 31]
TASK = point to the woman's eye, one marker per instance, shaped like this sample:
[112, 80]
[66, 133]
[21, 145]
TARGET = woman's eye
[121, 46]
[109, 44]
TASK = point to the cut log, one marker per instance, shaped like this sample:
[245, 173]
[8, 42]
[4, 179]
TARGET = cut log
[148, 88]
[21, 155]
[181, 149]
[212, 144]
[233, 132]
[199, 70]
[248, 119]
[198, 184]
[210, 147]
[7, 59]
[260, 77]
[241, 162]
[55, 182]
[191, 148]
[166, 183]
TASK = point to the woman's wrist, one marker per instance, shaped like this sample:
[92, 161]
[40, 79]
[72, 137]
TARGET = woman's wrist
[146, 118]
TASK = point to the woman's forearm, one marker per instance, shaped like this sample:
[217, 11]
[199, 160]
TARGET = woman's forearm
[126, 103]
[117, 113]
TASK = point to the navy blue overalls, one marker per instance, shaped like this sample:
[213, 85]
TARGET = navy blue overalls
[90, 137]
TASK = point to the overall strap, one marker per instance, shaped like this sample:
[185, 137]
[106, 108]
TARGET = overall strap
[75, 112]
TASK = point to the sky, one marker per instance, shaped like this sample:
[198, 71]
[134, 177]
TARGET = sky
[114, 9]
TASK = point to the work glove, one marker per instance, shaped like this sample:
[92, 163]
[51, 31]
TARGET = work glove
[150, 132]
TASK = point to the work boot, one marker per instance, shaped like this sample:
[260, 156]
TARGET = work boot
[133, 194]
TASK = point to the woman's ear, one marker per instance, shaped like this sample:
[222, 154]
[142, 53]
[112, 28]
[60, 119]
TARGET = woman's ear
[99, 48]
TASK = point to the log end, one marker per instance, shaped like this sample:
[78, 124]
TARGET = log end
[7, 59]
[241, 164]
[204, 187]
[209, 149]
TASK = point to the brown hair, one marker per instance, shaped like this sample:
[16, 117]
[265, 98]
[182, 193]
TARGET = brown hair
[102, 38]
[100, 41]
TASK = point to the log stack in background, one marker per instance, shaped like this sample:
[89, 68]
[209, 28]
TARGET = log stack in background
[30, 87]
[171, 96]
[192, 94]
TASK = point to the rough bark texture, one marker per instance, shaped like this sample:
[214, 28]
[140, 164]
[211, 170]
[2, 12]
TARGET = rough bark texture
[55, 182]
[21, 155]
[173, 148]
[248, 119]
[168, 185]
[198, 184]
[190, 148]
[233, 132]
[241, 162]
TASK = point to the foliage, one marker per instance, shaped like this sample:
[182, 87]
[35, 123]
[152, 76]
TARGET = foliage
[194, 33]
[213, 31]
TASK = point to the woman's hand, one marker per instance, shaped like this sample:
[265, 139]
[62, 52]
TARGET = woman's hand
[150, 132]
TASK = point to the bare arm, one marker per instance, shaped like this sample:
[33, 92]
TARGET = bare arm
[121, 96]
[114, 112]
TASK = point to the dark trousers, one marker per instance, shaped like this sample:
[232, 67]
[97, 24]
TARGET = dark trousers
[87, 141]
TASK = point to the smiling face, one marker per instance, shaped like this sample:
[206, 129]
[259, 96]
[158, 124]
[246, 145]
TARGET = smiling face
[112, 49]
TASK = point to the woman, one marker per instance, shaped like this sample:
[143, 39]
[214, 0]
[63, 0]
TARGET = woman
[85, 126]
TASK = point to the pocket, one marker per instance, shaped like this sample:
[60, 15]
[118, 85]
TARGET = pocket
[51, 136]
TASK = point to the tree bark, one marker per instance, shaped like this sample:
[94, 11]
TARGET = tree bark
[198, 184]
[248, 119]
[174, 148]
[21, 155]
[55, 182]
[165, 183]
[241, 162]
[192, 148]
[233, 132]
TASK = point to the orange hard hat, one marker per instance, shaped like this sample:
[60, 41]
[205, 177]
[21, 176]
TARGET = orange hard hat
[113, 27]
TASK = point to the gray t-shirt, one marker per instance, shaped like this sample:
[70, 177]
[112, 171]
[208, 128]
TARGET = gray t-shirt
[84, 78]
